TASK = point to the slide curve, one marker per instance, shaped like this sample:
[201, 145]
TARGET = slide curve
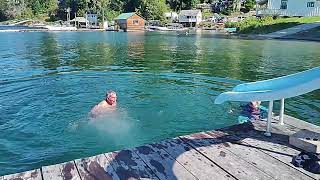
[274, 89]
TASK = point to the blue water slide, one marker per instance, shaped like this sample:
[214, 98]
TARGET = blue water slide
[274, 89]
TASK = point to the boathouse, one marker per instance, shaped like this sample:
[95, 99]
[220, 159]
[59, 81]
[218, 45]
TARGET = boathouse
[190, 18]
[130, 22]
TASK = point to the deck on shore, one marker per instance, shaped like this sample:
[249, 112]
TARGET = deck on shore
[235, 152]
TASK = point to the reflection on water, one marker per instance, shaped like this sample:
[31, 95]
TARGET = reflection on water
[165, 85]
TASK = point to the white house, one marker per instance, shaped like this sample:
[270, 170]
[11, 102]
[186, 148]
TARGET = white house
[171, 16]
[288, 7]
[93, 19]
[190, 18]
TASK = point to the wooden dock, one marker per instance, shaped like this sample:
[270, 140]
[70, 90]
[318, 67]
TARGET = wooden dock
[236, 152]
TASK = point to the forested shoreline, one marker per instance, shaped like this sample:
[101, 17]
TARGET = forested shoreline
[52, 10]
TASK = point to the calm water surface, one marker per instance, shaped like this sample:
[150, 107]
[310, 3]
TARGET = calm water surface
[165, 84]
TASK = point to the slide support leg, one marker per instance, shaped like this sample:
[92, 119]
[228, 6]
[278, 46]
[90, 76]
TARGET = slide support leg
[268, 131]
[281, 112]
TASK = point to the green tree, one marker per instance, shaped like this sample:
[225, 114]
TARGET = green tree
[102, 6]
[151, 9]
[174, 4]
[78, 7]
[177, 5]
[132, 5]
[190, 4]
[15, 8]
[249, 5]
[3, 7]
[36, 7]
[51, 8]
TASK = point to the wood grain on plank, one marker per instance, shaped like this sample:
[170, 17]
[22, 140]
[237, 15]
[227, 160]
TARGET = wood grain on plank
[63, 171]
[128, 165]
[261, 160]
[214, 149]
[193, 161]
[28, 175]
[96, 168]
[275, 148]
[161, 163]
[300, 124]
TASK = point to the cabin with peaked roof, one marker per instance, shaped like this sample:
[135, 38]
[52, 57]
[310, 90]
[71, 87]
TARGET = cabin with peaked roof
[130, 22]
[190, 18]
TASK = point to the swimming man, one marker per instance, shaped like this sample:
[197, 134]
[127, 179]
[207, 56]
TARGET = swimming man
[105, 106]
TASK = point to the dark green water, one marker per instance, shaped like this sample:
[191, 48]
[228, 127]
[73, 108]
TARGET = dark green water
[50, 81]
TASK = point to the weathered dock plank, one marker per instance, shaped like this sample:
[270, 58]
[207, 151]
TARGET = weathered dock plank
[217, 153]
[63, 171]
[282, 152]
[289, 120]
[161, 163]
[128, 165]
[193, 161]
[259, 159]
[96, 168]
[276, 146]
[28, 175]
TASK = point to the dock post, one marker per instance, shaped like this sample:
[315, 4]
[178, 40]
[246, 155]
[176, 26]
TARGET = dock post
[268, 131]
[281, 112]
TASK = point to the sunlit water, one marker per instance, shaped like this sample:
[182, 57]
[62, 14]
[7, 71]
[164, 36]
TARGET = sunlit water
[165, 85]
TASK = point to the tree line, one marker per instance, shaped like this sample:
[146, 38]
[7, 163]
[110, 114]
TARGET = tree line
[106, 9]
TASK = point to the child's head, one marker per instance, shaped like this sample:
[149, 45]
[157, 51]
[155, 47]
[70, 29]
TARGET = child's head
[255, 104]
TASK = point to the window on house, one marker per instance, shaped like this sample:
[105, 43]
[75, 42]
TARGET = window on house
[135, 22]
[284, 4]
[310, 4]
[188, 17]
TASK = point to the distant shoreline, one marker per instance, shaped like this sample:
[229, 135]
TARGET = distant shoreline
[298, 36]
[48, 30]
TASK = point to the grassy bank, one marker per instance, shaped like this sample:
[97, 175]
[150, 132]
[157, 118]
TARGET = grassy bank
[268, 24]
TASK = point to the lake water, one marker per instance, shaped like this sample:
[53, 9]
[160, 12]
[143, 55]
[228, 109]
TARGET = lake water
[165, 85]
[9, 27]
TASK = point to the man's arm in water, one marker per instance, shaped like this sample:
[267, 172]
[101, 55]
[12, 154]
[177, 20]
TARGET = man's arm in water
[94, 111]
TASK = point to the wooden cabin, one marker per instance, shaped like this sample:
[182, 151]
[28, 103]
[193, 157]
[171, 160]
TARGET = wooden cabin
[130, 22]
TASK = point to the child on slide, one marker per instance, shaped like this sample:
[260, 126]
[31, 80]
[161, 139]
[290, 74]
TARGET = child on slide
[252, 111]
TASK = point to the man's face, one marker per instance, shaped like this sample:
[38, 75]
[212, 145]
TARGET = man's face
[112, 98]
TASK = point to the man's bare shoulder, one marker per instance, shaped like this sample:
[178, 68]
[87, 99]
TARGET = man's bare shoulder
[103, 104]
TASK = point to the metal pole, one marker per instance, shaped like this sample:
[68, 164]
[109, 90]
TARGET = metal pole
[268, 131]
[103, 16]
[281, 112]
[86, 20]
